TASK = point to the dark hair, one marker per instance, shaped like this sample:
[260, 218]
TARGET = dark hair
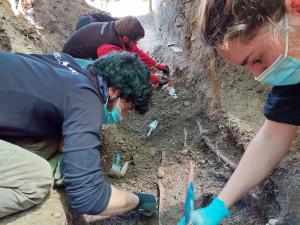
[222, 20]
[125, 71]
[130, 27]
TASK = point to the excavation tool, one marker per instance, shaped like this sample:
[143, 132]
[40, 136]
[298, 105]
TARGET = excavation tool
[59, 173]
[116, 166]
[170, 89]
[151, 127]
[116, 169]
[190, 196]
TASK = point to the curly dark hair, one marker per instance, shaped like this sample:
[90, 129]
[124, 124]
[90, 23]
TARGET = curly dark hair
[126, 72]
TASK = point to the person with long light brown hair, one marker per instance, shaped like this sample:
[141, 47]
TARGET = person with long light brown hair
[263, 36]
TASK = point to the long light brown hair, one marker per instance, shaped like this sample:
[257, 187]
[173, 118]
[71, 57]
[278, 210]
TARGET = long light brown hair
[222, 20]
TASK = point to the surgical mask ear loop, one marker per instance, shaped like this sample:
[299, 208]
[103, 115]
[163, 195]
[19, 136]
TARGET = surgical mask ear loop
[286, 36]
[118, 103]
[118, 106]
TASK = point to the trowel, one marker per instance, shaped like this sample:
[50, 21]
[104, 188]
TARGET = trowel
[116, 169]
[116, 166]
[151, 127]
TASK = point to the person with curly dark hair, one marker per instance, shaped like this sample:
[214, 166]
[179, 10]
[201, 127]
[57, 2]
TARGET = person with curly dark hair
[46, 96]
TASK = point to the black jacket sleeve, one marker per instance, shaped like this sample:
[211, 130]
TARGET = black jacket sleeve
[87, 190]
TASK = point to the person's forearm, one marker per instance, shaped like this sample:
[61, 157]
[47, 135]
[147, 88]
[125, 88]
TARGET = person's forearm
[147, 59]
[262, 155]
[120, 202]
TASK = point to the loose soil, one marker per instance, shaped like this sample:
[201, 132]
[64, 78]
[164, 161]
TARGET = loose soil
[227, 130]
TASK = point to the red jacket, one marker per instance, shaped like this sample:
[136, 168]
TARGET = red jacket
[148, 60]
[107, 48]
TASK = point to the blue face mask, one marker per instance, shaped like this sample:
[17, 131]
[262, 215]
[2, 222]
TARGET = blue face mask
[284, 71]
[113, 116]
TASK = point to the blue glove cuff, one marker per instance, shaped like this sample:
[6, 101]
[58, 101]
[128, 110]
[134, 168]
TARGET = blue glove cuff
[219, 207]
[213, 214]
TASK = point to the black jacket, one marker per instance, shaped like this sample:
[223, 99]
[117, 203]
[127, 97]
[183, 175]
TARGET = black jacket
[84, 42]
[49, 94]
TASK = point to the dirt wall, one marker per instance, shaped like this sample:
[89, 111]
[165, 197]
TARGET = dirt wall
[53, 22]
[177, 21]
[242, 98]
[58, 19]
[16, 34]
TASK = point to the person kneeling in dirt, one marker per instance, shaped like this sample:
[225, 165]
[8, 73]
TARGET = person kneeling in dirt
[46, 96]
[263, 36]
[123, 34]
[92, 18]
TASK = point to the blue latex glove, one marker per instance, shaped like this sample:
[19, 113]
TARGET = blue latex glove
[213, 214]
[117, 162]
[59, 173]
[147, 204]
[189, 203]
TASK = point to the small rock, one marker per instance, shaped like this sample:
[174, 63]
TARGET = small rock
[135, 157]
[179, 159]
[133, 182]
[122, 141]
[186, 103]
[259, 90]
[152, 151]
[184, 151]
[273, 222]
[57, 215]
[123, 148]
[203, 161]
[176, 112]
[160, 172]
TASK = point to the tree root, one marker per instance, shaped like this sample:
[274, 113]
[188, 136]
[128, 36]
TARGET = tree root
[218, 153]
[214, 148]
[161, 194]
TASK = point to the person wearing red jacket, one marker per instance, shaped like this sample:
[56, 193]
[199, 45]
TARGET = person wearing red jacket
[107, 48]
[121, 35]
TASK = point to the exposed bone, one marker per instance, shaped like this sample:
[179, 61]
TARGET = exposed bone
[191, 172]
[161, 188]
[214, 149]
[161, 194]
[185, 138]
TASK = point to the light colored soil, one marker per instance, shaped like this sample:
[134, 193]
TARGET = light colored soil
[15, 33]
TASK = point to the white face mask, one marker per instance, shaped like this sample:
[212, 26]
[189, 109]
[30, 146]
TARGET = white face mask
[285, 70]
